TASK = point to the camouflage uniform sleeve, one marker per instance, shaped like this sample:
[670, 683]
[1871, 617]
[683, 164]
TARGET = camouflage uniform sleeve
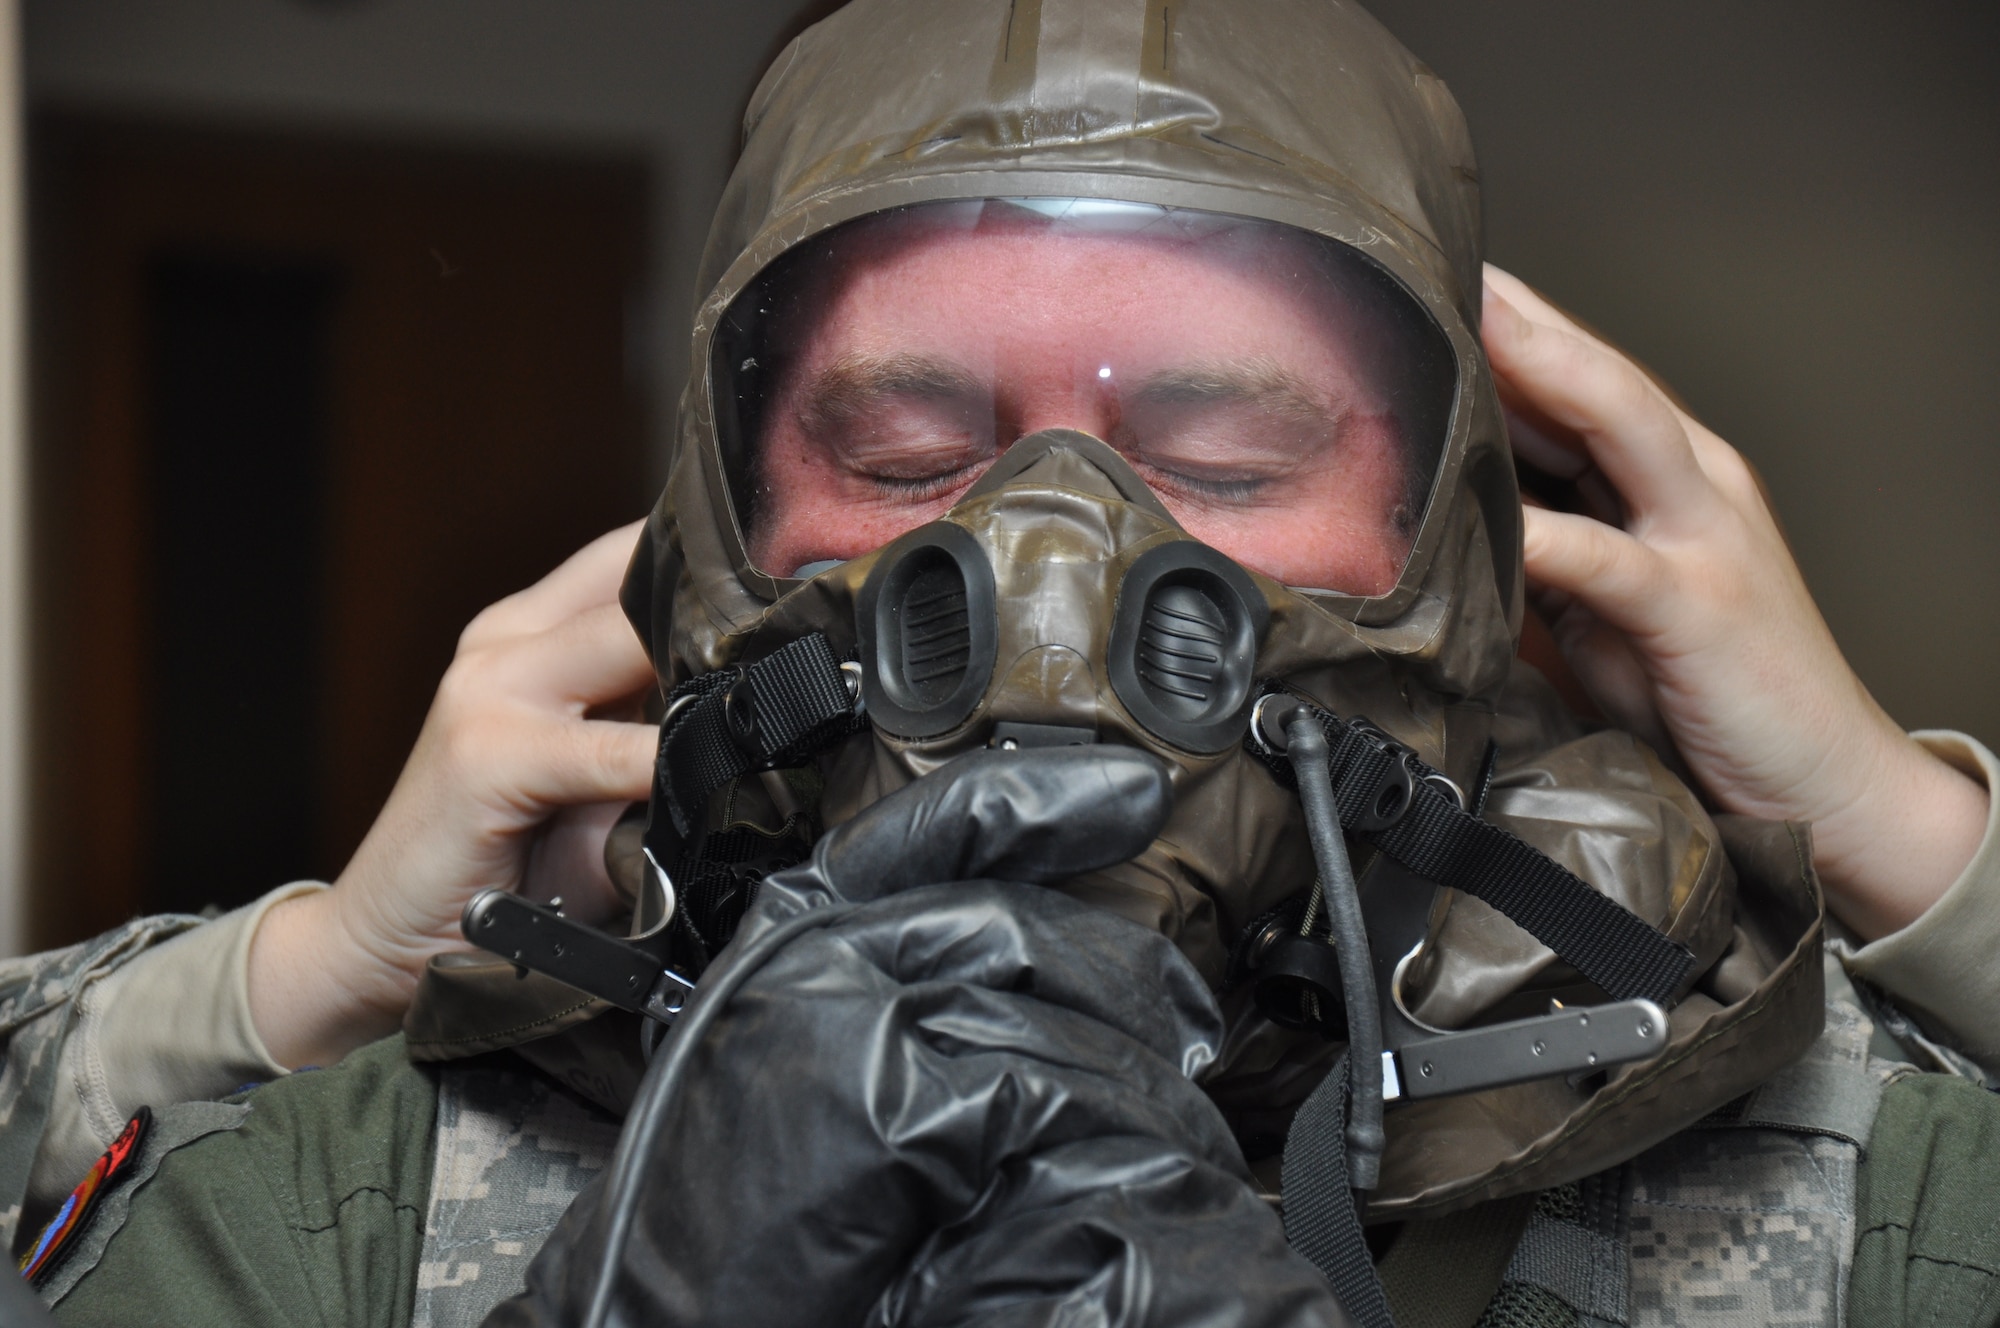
[173, 1025]
[38, 1010]
[1939, 970]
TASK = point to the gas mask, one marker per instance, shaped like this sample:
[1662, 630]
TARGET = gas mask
[1100, 394]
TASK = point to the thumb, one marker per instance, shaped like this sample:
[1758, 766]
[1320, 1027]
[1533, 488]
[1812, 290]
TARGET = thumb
[1033, 816]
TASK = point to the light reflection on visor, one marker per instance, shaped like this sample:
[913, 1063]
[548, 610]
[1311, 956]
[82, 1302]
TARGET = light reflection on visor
[1284, 396]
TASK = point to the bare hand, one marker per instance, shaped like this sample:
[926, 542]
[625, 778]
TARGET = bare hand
[1692, 626]
[517, 735]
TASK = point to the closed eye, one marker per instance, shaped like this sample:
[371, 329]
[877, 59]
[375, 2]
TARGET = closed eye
[1225, 434]
[909, 425]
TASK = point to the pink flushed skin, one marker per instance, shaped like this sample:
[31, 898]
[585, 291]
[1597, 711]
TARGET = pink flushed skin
[1038, 318]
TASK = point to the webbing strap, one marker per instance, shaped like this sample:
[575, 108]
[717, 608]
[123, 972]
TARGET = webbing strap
[772, 713]
[1615, 948]
[1321, 1221]
[1443, 1272]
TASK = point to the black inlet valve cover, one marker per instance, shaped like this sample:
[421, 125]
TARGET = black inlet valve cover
[1184, 645]
[928, 627]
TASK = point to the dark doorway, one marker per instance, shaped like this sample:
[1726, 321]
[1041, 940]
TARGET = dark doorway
[302, 407]
[241, 378]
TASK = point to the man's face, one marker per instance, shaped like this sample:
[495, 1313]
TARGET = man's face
[1227, 370]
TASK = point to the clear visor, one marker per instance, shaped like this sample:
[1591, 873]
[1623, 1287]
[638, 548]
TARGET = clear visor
[1286, 398]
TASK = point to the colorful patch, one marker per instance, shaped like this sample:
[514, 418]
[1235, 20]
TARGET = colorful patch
[76, 1210]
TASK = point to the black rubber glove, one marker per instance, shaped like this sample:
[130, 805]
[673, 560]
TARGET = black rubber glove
[915, 1090]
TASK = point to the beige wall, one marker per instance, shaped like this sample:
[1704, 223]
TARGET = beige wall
[1790, 210]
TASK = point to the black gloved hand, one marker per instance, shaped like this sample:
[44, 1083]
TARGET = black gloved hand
[914, 1090]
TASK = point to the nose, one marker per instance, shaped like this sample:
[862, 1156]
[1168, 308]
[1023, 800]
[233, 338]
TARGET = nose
[1087, 400]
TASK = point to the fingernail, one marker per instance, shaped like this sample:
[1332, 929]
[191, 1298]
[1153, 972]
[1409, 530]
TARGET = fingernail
[1502, 313]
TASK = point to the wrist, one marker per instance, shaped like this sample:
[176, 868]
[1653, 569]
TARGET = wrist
[1901, 840]
[316, 992]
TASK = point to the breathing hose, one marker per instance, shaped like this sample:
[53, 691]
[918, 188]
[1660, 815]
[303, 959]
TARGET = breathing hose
[1305, 745]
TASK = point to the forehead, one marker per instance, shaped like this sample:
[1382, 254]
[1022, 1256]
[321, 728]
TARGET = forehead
[1074, 226]
[993, 243]
[1110, 267]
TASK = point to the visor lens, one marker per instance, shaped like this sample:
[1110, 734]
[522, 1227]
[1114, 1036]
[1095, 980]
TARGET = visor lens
[1286, 398]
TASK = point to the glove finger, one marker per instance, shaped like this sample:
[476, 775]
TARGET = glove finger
[1121, 1231]
[1034, 816]
[792, 1184]
[996, 936]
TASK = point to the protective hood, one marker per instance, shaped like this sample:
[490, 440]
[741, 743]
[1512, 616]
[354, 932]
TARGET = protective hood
[1308, 115]
[1300, 112]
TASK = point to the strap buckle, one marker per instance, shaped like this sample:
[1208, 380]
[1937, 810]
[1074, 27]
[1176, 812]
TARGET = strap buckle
[1394, 788]
[739, 715]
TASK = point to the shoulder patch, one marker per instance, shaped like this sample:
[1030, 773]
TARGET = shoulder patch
[76, 1211]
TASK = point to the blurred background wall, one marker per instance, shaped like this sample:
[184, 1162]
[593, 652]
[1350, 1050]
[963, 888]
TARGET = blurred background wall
[442, 249]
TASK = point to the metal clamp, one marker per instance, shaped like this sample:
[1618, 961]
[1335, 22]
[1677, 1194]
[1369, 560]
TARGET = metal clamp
[1426, 1061]
[534, 936]
[1563, 1041]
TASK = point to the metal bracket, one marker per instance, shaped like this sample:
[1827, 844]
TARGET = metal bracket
[537, 937]
[1563, 1041]
[1423, 1062]
[1008, 735]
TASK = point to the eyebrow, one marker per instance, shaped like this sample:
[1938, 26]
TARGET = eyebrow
[1260, 384]
[853, 384]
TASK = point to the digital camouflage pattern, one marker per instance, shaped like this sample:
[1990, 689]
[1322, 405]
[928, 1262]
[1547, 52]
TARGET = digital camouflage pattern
[1751, 1219]
[1755, 1226]
[513, 1150]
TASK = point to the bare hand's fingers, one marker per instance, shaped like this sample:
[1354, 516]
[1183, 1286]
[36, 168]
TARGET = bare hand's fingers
[1718, 460]
[567, 863]
[587, 578]
[600, 760]
[1634, 434]
[1611, 573]
[585, 660]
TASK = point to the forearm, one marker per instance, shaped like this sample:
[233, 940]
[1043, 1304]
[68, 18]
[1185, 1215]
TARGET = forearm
[171, 1025]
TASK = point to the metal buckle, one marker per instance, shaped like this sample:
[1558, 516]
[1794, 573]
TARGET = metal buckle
[739, 714]
[1394, 789]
